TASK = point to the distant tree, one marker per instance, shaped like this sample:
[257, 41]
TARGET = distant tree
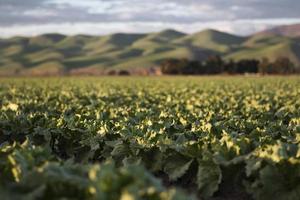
[265, 66]
[247, 66]
[112, 72]
[124, 73]
[174, 66]
[230, 67]
[283, 65]
[214, 65]
[193, 67]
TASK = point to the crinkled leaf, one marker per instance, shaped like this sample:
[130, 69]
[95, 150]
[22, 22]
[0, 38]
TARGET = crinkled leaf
[277, 181]
[176, 166]
[209, 177]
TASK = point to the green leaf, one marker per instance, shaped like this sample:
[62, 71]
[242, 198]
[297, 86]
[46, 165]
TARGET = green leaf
[208, 178]
[120, 149]
[131, 161]
[176, 166]
[280, 181]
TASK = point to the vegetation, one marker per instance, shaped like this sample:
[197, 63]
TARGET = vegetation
[150, 138]
[216, 65]
[135, 53]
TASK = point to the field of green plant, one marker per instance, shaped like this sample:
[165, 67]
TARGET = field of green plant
[150, 138]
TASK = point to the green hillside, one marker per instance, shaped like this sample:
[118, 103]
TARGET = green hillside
[212, 40]
[56, 53]
[268, 46]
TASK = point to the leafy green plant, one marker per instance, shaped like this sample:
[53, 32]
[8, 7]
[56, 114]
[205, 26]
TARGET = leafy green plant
[132, 138]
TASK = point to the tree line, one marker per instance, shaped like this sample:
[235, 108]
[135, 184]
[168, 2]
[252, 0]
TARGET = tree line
[216, 65]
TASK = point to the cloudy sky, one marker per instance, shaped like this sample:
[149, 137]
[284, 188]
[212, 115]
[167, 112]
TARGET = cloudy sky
[32, 17]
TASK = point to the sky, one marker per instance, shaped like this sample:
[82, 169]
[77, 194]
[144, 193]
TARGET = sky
[100, 17]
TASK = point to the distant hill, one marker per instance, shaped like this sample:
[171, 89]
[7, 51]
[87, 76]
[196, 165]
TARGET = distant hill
[268, 45]
[52, 54]
[287, 30]
[211, 39]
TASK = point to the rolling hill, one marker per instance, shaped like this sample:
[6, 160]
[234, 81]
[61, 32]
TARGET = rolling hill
[268, 45]
[212, 40]
[52, 54]
[287, 30]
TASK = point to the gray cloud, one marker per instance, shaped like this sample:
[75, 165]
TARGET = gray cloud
[23, 13]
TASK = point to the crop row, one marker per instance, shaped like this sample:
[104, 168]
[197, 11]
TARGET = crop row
[129, 138]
